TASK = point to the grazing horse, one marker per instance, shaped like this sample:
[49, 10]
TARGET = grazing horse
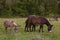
[54, 17]
[10, 23]
[33, 20]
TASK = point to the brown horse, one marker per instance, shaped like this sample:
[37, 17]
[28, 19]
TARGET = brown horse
[10, 23]
[33, 20]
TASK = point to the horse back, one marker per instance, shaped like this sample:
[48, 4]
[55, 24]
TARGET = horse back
[37, 20]
[8, 23]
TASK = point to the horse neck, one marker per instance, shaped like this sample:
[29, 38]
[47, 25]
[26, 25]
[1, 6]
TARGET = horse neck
[48, 24]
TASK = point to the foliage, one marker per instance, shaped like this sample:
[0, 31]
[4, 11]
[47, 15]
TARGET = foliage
[9, 8]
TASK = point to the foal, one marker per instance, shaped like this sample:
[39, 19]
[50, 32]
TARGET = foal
[10, 23]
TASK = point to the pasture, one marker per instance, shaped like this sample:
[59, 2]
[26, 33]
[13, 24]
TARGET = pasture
[21, 35]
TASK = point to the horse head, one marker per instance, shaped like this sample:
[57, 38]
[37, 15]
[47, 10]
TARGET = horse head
[49, 28]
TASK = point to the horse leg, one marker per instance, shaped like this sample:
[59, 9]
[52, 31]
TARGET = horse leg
[15, 29]
[41, 28]
[26, 27]
[33, 28]
[6, 29]
[30, 27]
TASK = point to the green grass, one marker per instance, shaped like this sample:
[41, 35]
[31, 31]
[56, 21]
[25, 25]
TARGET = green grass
[21, 35]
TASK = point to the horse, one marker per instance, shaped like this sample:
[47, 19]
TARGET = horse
[33, 20]
[54, 17]
[10, 23]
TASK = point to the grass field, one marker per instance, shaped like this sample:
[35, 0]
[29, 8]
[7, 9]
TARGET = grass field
[21, 35]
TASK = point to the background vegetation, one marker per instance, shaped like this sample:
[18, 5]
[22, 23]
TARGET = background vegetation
[10, 8]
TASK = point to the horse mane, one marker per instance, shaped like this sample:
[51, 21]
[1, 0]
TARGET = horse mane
[47, 22]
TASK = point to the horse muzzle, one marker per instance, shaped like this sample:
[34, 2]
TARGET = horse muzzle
[50, 31]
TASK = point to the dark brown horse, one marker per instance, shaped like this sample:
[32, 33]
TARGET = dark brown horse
[37, 20]
[10, 23]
